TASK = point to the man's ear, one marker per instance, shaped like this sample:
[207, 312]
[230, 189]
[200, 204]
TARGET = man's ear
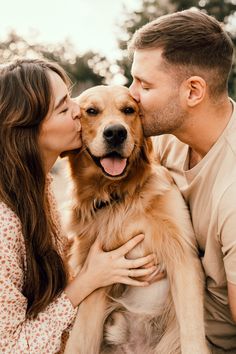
[193, 90]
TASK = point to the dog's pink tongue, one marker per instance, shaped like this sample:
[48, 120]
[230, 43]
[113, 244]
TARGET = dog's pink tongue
[114, 166]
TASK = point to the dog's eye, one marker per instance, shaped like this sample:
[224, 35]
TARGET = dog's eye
[128, 110]
[92, 111]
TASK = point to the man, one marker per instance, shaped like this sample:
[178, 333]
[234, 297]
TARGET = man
[181, 64]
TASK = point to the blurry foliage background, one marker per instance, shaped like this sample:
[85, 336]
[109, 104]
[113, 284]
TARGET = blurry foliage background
[92, 69]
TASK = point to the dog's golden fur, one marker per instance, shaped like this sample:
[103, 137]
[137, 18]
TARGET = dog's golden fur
[114, 204]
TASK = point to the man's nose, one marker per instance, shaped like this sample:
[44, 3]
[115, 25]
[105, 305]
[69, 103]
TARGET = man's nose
[134, 92]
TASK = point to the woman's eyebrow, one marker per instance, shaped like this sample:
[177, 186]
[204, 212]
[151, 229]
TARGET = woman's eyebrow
[61, 101]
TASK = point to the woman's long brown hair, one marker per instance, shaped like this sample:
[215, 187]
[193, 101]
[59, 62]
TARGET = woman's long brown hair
[25, 100]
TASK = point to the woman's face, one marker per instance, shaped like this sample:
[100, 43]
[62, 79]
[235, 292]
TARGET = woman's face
[61, 129]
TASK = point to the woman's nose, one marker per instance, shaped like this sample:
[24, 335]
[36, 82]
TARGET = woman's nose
[134, 92]
[76, 111]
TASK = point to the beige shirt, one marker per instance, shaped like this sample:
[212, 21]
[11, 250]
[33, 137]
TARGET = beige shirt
[209, 189]
[18, 335]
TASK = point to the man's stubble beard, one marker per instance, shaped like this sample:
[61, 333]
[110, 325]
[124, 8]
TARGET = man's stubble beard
[166, 121]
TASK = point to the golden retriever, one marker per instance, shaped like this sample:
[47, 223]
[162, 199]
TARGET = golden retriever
[119, 192]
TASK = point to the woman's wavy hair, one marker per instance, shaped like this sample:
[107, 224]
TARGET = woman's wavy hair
[26, 98]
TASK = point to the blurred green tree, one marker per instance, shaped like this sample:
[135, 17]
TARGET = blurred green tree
[223, 11]
[84, 71]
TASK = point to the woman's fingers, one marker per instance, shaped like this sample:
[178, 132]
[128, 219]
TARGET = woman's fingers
[134, 273]
[133, 282]
[155, 276]
[140, 262]
[129, 245]
[146, 276]
[149, 264]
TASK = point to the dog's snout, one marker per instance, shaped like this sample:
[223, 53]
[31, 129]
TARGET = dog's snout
[115, 134]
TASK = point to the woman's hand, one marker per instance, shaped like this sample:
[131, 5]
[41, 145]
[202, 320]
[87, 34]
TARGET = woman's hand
[157, 275]
[113, 267]
[106, 268]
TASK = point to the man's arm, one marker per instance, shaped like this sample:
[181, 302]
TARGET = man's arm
[227, 230]
[232, 299]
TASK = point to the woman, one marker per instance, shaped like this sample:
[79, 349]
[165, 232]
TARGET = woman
[38, 121]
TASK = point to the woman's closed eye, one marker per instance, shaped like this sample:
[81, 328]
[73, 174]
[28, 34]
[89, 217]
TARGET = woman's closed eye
[64, 110]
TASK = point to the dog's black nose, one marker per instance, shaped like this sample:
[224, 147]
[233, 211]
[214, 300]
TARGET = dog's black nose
[115, 134]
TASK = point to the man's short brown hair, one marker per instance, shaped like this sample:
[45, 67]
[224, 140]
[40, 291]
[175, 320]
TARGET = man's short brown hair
[193, 41]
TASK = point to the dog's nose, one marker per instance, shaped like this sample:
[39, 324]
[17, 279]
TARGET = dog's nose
[115, 134]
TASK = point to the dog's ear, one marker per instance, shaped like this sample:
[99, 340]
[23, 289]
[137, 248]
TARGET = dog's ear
[148, 144]
[76, 99]
[147, 150]
[70, 152]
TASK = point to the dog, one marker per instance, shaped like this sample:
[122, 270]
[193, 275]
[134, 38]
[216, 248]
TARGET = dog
[121, 190]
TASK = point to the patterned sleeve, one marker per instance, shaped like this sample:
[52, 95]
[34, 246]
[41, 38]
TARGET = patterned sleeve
[18, 334]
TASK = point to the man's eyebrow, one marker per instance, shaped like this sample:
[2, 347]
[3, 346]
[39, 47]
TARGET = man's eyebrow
[145, 81]
[62, 100]
[139, 78]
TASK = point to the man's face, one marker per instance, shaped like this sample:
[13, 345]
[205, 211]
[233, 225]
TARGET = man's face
[158, 93]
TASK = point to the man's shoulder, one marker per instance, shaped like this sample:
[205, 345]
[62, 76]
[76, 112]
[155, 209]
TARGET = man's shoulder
[167, 140]
[230, 131]
[228, 196]
[168, 147]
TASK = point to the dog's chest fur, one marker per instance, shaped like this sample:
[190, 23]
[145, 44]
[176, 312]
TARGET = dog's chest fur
[128, 333]
[121, 216]
[140, 307]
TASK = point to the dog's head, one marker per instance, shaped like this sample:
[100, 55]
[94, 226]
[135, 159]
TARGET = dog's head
[111, 129]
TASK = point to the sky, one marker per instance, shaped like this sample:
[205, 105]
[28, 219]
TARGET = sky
[88, 24]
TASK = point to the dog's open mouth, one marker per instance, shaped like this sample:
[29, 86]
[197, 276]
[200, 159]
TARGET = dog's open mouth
[112, 164]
